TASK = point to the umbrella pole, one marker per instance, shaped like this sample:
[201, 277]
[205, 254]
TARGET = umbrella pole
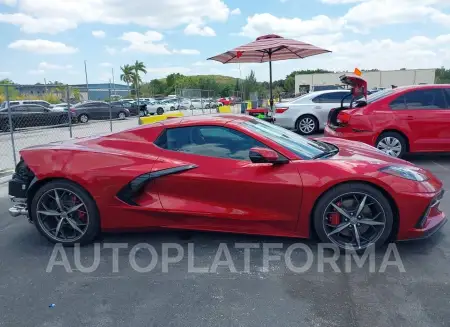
[270, 86]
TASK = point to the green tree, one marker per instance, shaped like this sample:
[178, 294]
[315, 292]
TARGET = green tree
[126, 74]
[138, 68]
[289, 84]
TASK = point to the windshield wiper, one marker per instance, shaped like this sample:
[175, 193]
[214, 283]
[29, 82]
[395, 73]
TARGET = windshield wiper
[326, 154]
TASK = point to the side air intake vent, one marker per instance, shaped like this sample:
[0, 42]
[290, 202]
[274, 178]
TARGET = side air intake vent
[130, 191]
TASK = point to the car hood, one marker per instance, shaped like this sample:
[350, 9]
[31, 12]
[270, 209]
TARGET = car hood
[366, 159]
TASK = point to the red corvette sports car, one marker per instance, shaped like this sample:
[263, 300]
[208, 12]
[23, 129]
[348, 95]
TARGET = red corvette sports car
[228, 173]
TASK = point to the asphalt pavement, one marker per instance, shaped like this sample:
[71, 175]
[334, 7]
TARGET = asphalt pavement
[253, 296]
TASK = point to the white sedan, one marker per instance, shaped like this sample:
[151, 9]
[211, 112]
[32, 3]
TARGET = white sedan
[308, 113]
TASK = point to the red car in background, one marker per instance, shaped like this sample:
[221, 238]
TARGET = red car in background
[398, 121]
[227, 173]
[225, 101]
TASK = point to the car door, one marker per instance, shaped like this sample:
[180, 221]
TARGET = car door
[36, 115]
[95, 110]
[19, 116]
[225, 191]
[424, 115]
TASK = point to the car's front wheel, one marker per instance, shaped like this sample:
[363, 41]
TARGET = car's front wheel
[121, 115]
[353, 216]
[83, 118]
[160, 111]
[392, 143]
[65, 213]
[307, 125]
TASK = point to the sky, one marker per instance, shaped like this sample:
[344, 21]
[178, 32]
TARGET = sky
[51, 39]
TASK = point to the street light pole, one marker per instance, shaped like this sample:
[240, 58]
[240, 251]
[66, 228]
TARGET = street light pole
[114, 84]
[87, 83]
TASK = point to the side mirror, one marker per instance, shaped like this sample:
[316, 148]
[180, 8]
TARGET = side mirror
[263, 155]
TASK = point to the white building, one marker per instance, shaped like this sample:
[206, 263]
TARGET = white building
[378, 79]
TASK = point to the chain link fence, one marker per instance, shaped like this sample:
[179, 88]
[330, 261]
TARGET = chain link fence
[197, 101]
[39, 114]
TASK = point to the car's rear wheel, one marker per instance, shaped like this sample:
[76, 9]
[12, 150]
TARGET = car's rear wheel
[392, 143]
[83, 118]
[353, 216]
[307, 125]
[65, 213]
[160, 111]
[121, 115]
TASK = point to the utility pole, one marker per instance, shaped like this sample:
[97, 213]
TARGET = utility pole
[114, 84]
[87, 83]
[45, 83]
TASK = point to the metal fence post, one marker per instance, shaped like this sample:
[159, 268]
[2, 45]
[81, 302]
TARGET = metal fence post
[11, 127]
[110, 110]
[69, 113]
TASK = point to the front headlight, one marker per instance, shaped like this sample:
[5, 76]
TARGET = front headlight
[404, 172]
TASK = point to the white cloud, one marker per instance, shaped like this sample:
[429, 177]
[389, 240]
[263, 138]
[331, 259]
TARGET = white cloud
[36, 72]
[45, 65]
[8, 2]
[266, 23]
[106, 64]
[110, 50]
[145, 42]
[158, 15]
[187, 51]
[31, 25]
[206, 63]
[236, 11]
[42, 47]
[198, 29]
[99, 34]
[339, 2]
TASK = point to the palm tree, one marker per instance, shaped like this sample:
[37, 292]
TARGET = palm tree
[127, 74]
[138, 67]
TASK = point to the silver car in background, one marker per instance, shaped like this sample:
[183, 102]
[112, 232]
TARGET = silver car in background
[308, 113]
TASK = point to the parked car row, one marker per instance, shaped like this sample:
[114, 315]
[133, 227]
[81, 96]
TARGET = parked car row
[30, 115]
[395, 120]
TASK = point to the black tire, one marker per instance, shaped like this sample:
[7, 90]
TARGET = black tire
[160, 111]
[122, 115]
[396, 138]
[83, 118]
[172, 108]
[93, 227]
[307, 125]
[343, 189]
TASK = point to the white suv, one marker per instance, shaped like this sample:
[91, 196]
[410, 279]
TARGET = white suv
[309, 113]
[20, 102]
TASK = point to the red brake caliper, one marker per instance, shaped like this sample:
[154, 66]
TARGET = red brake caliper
[81, 214]
[334, 218]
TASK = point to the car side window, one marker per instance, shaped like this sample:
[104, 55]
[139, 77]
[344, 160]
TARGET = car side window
[36, 109]
[211, 141]
[399, 103]
[18, 109]
[425, 99]
[334, 97]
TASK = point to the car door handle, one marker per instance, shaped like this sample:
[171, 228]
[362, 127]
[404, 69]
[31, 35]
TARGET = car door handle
[317, 107]
[410, 117]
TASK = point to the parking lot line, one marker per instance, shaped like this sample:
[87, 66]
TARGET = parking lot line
[439, 165]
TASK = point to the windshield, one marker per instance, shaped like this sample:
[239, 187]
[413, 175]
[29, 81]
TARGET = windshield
[301, 146]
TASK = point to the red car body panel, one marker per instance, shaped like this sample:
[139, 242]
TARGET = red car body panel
[224, 194]
[426, 130]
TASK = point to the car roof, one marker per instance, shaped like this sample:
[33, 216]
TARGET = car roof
[215, 119]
